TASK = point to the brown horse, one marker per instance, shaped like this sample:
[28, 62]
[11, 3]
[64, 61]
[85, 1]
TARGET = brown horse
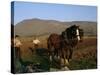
[61, 46]
[72, 36]
[57, 47]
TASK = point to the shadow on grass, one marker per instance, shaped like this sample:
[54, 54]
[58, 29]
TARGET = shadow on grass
[39, 61]
[83, 64]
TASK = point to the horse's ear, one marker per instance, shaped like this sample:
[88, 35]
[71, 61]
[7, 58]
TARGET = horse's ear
[78, 26]
[74, 25]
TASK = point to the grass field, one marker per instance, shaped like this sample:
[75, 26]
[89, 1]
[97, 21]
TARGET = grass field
[84, 56]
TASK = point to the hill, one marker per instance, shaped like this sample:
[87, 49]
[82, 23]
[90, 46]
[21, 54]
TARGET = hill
[31, 27]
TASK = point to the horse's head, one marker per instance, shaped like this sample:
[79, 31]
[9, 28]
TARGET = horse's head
[76, 33]
[73, 32]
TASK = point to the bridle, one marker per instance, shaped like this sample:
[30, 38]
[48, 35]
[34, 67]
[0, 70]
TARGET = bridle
[78, 34]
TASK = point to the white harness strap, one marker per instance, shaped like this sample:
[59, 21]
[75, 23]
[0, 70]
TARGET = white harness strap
[77, 33]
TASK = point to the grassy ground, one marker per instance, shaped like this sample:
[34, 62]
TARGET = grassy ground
[84, 56]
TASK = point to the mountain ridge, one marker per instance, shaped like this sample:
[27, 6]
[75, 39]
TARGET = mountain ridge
[37, 26]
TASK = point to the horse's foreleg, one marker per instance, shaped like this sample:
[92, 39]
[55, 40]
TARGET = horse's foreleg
[70, 53]
[65, 59]
[62, 56]
[61, 62]
[66, 62]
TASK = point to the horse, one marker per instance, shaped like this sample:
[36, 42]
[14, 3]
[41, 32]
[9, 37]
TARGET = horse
[72, 36]
[61, 45]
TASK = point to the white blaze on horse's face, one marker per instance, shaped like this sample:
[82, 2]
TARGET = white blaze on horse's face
[77, 33]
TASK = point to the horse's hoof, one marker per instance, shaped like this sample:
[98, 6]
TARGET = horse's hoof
[65, 68]
[67, 62]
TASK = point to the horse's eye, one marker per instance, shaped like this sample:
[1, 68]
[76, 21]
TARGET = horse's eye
[73, 32]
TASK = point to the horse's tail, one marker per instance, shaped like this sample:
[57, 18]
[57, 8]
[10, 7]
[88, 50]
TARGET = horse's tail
[48, 45]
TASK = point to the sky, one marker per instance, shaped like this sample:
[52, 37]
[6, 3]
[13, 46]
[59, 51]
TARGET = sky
[47, 11]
